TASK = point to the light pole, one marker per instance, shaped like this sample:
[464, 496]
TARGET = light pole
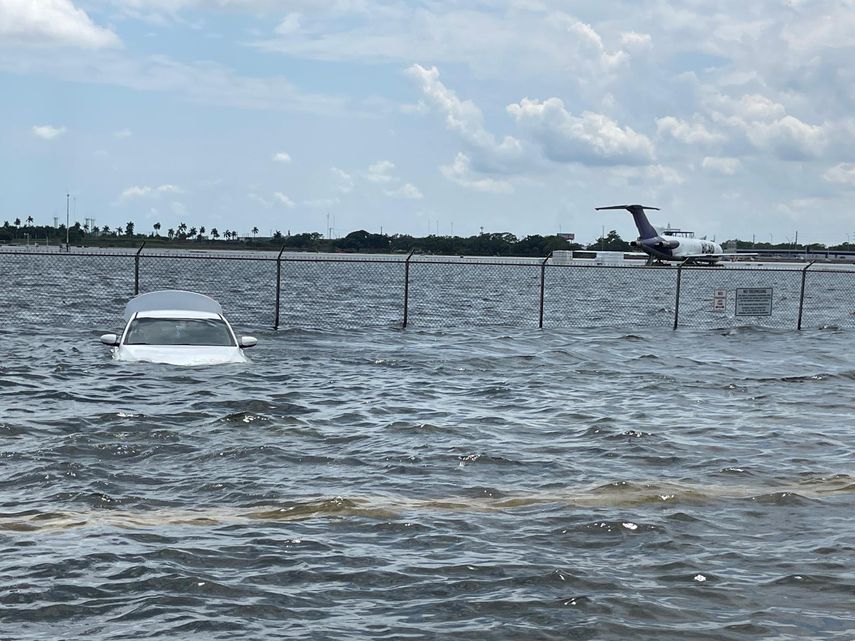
[67, 198]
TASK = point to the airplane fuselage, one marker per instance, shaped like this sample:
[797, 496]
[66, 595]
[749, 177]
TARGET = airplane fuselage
[678, 248]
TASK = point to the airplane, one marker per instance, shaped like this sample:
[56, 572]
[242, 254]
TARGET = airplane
[670, 245]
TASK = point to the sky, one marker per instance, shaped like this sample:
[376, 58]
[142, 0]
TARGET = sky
[413, 117]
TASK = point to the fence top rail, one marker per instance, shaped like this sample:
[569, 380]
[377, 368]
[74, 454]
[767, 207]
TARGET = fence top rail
[7, 252]
[389, 261]
[466, 263]
[202, 254]
[830, 269]
[397, 259]
[748, 268]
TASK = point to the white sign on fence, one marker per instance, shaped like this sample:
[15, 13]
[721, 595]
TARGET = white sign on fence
[754, 301]
[719, 301]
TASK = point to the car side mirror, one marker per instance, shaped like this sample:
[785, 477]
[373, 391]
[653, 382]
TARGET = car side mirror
[247, 341]
[110, 339]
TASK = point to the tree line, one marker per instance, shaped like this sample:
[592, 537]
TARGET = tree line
[484, 244]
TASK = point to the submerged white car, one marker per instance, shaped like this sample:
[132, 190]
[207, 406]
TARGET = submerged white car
[178, 328]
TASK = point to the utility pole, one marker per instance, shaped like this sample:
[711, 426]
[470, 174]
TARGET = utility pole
[67, 200]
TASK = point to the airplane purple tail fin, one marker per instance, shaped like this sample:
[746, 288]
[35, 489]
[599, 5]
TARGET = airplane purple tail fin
[645, 229]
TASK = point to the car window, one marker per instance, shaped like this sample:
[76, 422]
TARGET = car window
[179, 331]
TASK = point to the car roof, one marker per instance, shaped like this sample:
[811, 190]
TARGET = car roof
[171, 299]
[176, 313]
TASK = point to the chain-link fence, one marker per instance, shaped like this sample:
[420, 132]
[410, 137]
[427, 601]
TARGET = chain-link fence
[270, 290]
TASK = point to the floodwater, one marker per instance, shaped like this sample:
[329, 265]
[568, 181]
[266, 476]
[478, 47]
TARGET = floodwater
[489, 483]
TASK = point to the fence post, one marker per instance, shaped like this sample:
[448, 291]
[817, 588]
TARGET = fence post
[278, 286]
[407, 288]
[802, 295]
[543, 286]
[137, 270]
[677, 300]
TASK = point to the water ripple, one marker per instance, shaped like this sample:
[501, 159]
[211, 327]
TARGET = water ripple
[432, 485]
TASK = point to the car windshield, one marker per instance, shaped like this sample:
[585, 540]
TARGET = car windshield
[179, 331]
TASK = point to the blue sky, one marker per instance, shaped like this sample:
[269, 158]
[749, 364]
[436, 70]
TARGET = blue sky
[735, 118]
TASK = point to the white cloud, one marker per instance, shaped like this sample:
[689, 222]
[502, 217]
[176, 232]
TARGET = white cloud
[490, 37]
[40, 23]
[379, 172]
[321, 203]
[588, 45]
[721, 165]
[460, 172]
[123, 133]
[260, 200]
[664, 175]
[841, 174]
[135, 192]
[407, 190]
[789, 138]
[591, 138]
[465, 119]
[282, 156]
[290, 25]
[694, 133]
[650, 175]
[634, 40]
[283, 199]
[199, 81]
[768, 127]
[149, 192]
[343, 180]
[48, 132]
[829, 28]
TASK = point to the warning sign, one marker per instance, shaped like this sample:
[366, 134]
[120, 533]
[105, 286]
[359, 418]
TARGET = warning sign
[754, 301]
[719, 301]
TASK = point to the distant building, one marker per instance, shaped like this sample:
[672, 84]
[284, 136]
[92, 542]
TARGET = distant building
[567, 236]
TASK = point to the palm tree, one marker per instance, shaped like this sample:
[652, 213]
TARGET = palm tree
[17, 222]
[106, 230]
[191, 233]
[214, 233]
[201, 233]
[182, 231]
[129, 228]
[29, 221]
[156, 229]
[171, 233]
[254, 231]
